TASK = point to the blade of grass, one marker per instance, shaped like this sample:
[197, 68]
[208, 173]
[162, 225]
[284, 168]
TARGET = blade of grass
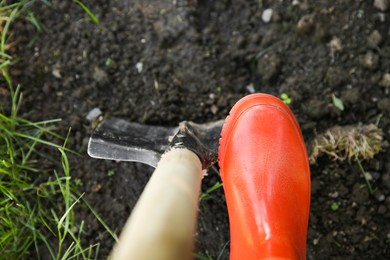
[33, 20]
[91, 16]
[364, 175]
[112, 234]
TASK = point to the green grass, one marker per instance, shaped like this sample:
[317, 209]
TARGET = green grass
[37, 203]
[92, 17]
[206, 195]
[37, 206]
[208, 257]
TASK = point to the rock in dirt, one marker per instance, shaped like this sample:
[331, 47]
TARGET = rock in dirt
[56, 73]
[251, 88]
[382, 5]
[93, 114]
[305, 24]
[384, 105]
[374, 39]
[269, 66]
[139, 67]
[334, 194]
[295, 2]
[379, 196]
[385, 82]
[370, 60]
[214, 109]
[335, 45]
[100, 75]
[267, 15]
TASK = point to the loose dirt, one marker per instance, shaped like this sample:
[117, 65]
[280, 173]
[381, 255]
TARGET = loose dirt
[161, 62]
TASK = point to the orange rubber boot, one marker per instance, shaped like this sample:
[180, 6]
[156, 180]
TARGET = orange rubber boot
[266, 178]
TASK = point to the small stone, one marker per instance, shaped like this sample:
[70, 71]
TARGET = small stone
[269, 66]
[267, 15]
[382, 5]
[335, 44]
[333, 194]
[305, 24]
[56, 73]
[385, 82]
[93, 114]
[316, 241]
[250, 88]
[139, 67]
[380, 197]
[384, 105]
[100, 75]
[214, 109]
[374, 39]
[370, 60]
[368, 176]
[96, 187]
[363, 221]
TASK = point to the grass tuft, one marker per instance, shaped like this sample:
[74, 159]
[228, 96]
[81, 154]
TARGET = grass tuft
[359, 143]
[348, 142]
[33, 198]
[37, 204]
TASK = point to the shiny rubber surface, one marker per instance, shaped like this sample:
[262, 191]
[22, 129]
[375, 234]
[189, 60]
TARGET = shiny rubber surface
[266, 178]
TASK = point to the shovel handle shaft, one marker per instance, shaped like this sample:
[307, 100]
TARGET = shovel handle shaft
[162, 223]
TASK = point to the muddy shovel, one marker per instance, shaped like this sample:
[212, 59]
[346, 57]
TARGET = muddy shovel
[162, 223]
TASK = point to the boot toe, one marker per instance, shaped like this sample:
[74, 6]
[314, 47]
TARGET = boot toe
[264, 168]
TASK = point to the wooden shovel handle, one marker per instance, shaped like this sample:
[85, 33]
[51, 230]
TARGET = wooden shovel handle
[162, 223]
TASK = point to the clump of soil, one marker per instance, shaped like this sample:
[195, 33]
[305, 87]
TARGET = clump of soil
[162, 62]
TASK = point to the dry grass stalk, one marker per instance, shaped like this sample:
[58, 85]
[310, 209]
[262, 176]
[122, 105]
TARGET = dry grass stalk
[348, 142]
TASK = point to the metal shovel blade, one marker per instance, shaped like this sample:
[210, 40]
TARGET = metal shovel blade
[117, 139]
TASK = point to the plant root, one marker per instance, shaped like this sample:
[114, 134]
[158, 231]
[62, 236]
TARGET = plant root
[348, 142]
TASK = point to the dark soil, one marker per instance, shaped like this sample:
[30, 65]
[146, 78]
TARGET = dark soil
[198, 58]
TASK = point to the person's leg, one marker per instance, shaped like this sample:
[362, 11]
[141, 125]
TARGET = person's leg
[266, 178]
